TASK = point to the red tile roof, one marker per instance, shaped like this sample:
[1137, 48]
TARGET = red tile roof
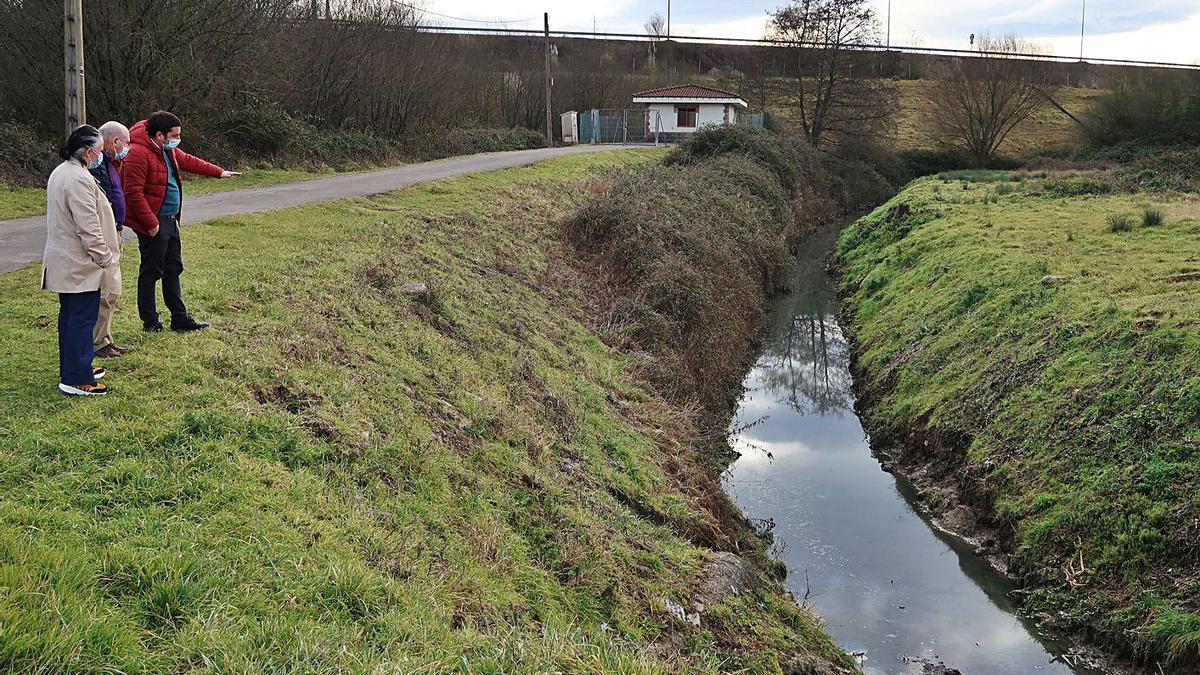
[686, 91]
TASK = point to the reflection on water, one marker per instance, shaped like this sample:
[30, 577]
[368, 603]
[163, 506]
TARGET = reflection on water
[884, 581]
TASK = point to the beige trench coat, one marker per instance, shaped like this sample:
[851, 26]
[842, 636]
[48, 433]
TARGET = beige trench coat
[83, 247]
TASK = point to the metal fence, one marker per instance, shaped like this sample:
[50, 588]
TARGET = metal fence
[625, 125]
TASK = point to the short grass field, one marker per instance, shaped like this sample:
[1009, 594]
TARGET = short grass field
[20, 201]
[1049, 327]
[339, 478]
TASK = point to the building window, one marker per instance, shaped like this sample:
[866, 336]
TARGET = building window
[686, 116]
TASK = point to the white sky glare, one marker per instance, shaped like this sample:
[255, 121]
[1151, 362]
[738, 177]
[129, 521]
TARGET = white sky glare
[1158, 30]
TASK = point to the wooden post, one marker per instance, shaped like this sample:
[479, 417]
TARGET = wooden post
[549, 84]
[74, 102]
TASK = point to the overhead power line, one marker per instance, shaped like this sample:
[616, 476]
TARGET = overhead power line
[936, 51]
[460, 18]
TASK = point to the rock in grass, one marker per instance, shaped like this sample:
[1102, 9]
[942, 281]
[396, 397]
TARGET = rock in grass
[416, 291]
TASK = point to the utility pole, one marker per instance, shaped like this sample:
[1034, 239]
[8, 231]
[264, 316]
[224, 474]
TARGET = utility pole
[74, 104]
[889, 25]
[668, 19]
[1082, 26]
[549, 83]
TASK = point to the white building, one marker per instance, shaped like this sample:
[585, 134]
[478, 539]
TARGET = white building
[686, 108]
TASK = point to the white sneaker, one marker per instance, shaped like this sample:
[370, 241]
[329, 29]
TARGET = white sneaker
[83, 389]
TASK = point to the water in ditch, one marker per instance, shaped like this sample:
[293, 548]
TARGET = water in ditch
[890, 588]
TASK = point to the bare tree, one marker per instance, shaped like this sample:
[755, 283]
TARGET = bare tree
[656, 29]
[831, 92]
[985, 97]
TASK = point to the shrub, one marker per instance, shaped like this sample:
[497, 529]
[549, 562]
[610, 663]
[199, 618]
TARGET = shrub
[929, 162]
[694, 245]
[1152, 217]
[1156, 109]
[865, 174]
[428, 145]
[25, 158]
[1120, 222]
[259, 129]
[793, 161]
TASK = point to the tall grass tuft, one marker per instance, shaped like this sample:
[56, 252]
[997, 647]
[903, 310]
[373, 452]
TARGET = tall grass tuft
[1120, 222]
[1152, 217]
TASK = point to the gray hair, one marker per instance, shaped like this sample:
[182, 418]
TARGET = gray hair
[113, 129]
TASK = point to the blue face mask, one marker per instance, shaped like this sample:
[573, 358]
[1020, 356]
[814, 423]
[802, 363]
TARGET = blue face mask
[121, 155]
[95, 163]
[172, 143]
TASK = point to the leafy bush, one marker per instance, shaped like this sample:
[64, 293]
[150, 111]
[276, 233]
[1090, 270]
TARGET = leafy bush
[1120, 222]
[1078, 186]
[1152, 217]
[25, 158]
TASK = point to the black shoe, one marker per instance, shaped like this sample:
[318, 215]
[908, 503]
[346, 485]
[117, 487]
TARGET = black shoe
[155, 327]
[186, 324]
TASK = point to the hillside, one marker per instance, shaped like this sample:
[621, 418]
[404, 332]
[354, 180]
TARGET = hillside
[338, 477]
[1028, 348]
[1048, 130]
[915, 125]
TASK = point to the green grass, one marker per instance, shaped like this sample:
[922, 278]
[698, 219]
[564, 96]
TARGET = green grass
[1062, 362]
[337, 478]
[19, 202]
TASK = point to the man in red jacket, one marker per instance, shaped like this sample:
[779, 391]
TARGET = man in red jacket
[154, 197]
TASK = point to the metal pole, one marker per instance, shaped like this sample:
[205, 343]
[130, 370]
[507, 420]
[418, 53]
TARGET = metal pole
[668, 19]
[1082, 26]
[889, 25]
[74, 102]
[549, 120]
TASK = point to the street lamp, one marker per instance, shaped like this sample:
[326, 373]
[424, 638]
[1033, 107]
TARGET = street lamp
[1082, 25]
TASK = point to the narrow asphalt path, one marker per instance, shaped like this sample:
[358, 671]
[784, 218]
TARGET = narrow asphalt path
[22, 240]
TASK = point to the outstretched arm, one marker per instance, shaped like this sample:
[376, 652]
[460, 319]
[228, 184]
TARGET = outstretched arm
[193, 164]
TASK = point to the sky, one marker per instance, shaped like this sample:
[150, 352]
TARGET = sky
[1151, 30]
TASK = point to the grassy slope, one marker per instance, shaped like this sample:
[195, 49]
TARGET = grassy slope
[336, 478]
[1049, 129]
[18, 201]
[914, 126]
[1071, 405]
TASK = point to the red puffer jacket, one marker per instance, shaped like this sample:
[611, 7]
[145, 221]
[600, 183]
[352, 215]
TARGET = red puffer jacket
[144, 176]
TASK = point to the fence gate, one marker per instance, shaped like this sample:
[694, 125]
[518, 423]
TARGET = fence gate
[622, 125]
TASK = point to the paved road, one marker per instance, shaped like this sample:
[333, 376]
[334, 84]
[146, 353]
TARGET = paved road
[23, 240]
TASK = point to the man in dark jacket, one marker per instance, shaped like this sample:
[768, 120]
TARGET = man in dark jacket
[153, 199]
[108, 174]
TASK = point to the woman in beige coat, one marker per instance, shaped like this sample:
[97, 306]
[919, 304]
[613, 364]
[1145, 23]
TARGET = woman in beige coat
[83, 254]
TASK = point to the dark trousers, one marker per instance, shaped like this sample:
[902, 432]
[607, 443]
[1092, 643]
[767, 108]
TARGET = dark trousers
[76, 321]
[162, 258]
